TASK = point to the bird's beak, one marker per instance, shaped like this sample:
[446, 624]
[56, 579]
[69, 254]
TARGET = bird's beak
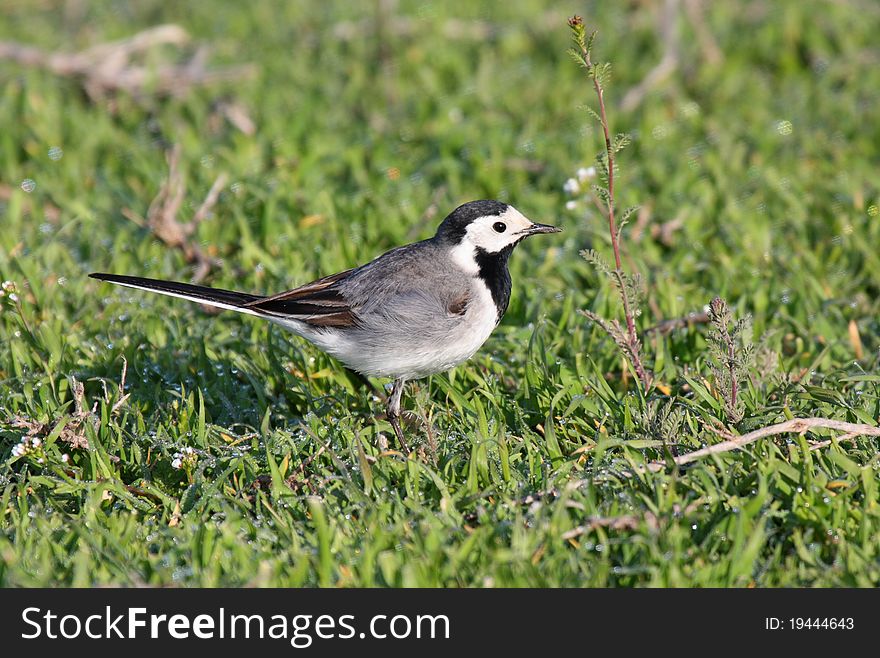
[541, 228]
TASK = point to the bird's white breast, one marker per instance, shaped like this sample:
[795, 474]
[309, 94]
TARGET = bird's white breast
[480, 319]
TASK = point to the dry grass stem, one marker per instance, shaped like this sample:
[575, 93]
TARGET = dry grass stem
[121, 66]
[162, 215]
[796, 425]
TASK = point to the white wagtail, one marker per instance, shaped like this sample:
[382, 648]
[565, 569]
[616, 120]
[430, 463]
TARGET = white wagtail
[412, 312]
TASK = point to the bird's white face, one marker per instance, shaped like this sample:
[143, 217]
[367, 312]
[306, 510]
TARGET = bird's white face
[493, 233]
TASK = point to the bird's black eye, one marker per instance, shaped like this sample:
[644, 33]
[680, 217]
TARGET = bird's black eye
[499, 227]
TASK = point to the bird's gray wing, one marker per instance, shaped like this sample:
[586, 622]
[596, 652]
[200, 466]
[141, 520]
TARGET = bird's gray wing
[409, 286]
[320, 303]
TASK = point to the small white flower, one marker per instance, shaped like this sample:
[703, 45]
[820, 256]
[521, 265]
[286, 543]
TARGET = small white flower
[36, 443]
[13, 297]
[571, 205]
[8, 286]
[65, 458]
[186, 459]
[41, 460]
[571, 186]
[23, 447]
[586, 173]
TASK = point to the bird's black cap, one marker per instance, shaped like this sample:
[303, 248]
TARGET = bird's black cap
[454, 226]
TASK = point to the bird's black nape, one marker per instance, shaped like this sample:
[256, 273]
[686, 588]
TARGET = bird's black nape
[454, 226]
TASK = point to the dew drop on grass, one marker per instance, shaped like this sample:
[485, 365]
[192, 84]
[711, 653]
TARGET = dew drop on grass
[28, 185]
[56, 153]
[784, 127]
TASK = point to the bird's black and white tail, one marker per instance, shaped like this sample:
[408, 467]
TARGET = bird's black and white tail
[318, 304]
[227, 299]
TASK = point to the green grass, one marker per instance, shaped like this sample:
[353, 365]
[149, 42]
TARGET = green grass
[768, 160]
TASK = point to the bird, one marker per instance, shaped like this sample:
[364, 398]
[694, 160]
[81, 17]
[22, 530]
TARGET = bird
[414, 311]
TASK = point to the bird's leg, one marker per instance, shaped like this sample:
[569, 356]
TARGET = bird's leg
[392, 411]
